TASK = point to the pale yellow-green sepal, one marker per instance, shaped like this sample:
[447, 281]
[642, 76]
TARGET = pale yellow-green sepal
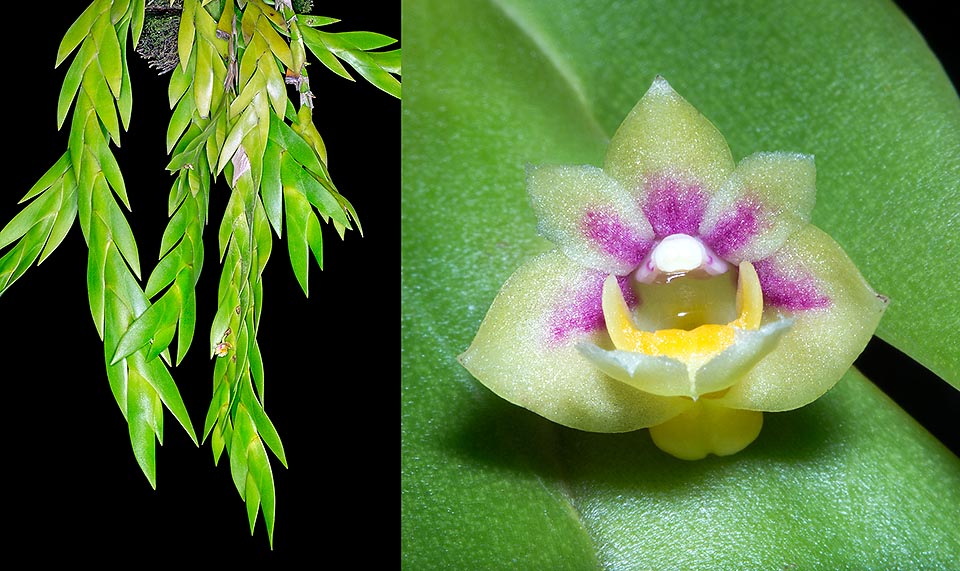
[823, 341]
[664, 135]
[522, 354]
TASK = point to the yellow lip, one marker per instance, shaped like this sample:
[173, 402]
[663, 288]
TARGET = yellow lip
[693, 347]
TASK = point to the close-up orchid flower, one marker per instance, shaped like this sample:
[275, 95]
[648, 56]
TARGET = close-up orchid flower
[686, 294]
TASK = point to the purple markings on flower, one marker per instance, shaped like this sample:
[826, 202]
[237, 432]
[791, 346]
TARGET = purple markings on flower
[673, 208]
[613, 237]
[582, 310]
[793, 294]
[734, 229]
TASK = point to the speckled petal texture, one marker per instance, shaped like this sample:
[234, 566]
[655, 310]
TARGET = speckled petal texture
[593, 219]
[544, 344]
[665, 136]
[825, 339]
[768, 197]
[523, 352]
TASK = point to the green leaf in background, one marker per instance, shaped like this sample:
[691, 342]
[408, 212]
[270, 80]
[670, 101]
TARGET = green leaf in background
[849, 482]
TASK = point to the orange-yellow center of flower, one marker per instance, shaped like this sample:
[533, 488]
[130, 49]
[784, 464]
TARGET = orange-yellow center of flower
[693, 347]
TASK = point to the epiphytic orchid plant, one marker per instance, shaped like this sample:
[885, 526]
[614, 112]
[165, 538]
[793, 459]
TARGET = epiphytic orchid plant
[242, 110]
[685, 294]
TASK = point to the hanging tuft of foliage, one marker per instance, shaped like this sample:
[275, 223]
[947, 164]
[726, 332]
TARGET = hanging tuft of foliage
[233, 65]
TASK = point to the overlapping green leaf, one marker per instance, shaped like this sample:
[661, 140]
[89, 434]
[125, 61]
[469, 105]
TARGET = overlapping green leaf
[82, 184]
[223, 91]
[354, 49]
[80, 28]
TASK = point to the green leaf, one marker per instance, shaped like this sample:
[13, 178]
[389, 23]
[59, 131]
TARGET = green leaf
[365, 64]
[264, 426]
[316, 21]
[263, 245]
[142, 424]
[324, 55]
[71, 81]
[246, 123]
[162, 275]
[256, 84]
[18, 260]
[120, 230]
[260, 478]
[111, 169]
[179, 121]
[278, 45]
[230, 220]
[315, 239]
[290, 141]
[203, 78]
[78, 30]
[274, 16]
[136, 26]
[256, 371]
[244, 433]
[141, 331]
[118, 9]
[298, 213]
[185, 215]
[188, 323]
[367, 40]
[318, 195]
[96, 88]
[276, 88]
[271, 189]
[66, 215]
[125, 100]
[180, 80]
[389, 61]
[98, 247]
[37, 211]
[58, 170]
[156, 373]
[850, 481]
[108, 52]
[218, 405]
[186, 33]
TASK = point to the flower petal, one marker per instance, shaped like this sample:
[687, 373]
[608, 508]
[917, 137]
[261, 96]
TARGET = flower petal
[664, 376]
[656, 375]
[589, 216]
[749, 347]
[768, 197]
[525, 351]
[665, 138]
[835, 312]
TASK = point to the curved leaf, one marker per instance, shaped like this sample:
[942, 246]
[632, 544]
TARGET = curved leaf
[847, 482]
[78, 30]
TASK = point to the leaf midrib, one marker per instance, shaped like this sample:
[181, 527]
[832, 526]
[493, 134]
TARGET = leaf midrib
[552, 55]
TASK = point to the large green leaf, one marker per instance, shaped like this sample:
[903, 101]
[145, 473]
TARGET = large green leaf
[848, 482]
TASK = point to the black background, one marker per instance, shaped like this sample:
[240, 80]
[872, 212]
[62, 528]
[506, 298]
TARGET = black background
[73, 491]
[72, 488]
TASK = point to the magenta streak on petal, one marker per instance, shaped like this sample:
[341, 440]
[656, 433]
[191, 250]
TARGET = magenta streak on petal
[672, 208]
[734, 229]
[582, 311]
[613, 237]
[780, 290]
